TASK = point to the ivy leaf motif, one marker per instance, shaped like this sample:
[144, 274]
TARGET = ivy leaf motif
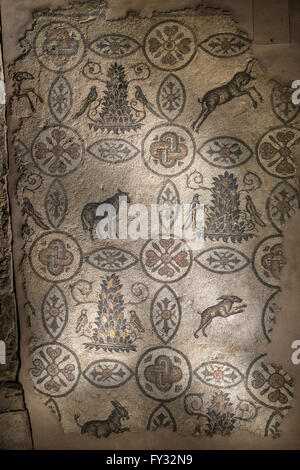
[171, 97]
[111, 259]
[218, 374]
[161, 418]
[54, 408]
[54, 312]
[165, 314]
[56, 204]
[167, 197]
[282, 204]
[113, 150]
[114, 46]
[225, 152]
[270, 312]
[225, 45]
[222, 260]
[60, 98]
[282, 105]
[107, 373]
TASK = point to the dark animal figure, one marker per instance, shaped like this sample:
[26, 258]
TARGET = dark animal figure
[18, 78]
[221, 95]
[223, 309]
[106, 427]
[89, 218]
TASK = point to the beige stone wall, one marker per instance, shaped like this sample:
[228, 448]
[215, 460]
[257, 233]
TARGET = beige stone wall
[14, 421]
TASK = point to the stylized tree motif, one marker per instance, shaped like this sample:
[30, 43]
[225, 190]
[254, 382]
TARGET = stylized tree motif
[110, 332]
[223, 219]
[116, 114]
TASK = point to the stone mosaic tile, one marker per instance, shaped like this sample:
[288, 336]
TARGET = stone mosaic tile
[161, 109]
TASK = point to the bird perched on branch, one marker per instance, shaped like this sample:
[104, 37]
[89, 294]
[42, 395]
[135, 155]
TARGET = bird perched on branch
[91, 97]
[251, 209]
[139, 95]
[29, 210]
[136, 322]
[82, 320]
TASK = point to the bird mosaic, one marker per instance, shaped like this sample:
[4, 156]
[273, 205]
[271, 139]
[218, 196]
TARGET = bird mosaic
[142, 99]
[82, 321]
[255, 217]
[136, 322]
[91, 97]
[36, 216]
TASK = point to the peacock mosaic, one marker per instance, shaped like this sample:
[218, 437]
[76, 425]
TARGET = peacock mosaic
[168, 109]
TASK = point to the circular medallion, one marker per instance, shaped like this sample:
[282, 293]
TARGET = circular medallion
[170, 45]
[168, 150]
[276, 151]
[55, 369]
[268, 260]
[55, 257]
[166, 260]
[270, 312]
[59, 46]
[163, 374]
[269, 384]
[57, 150]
